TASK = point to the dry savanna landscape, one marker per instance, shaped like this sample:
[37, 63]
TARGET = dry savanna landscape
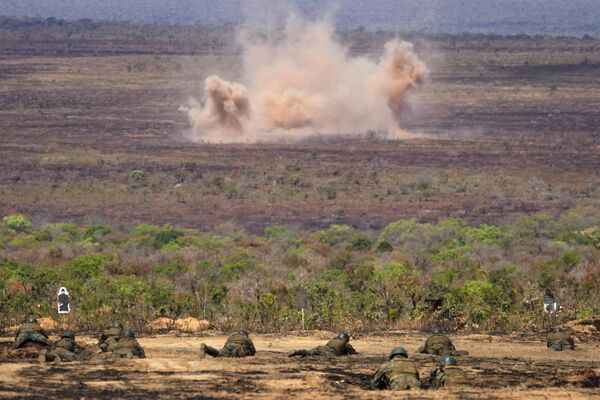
[499, 368]
[489, 198]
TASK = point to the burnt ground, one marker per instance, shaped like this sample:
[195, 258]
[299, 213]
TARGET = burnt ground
[506, 127]
[498, 367]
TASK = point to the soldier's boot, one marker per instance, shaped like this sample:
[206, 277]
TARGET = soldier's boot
[42, 357]
[298, 353]
[20, 341]
[211, 351]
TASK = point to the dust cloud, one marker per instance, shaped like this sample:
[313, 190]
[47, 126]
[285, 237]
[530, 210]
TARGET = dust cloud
[303, 81]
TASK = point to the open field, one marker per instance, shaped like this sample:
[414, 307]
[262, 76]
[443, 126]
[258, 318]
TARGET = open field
[500, 368]
[90, 133]
[507, 126]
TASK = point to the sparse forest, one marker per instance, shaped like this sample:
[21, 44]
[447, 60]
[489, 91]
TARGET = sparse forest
[408, 275]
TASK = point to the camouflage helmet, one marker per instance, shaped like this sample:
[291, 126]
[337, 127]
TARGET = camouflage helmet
[399, 351]
[448, 360]
[31, 320]
[68, 335]
[344, 336]
[117, 325]
[437, 330]
[128, 333]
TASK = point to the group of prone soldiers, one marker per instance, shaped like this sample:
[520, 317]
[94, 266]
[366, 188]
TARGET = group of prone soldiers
[114, 342]
[399, 372]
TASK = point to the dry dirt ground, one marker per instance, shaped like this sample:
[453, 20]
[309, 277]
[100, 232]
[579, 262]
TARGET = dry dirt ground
[500, 368]
[511, 128]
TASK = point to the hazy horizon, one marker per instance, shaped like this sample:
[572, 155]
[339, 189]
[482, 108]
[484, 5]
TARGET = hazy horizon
[550, 17]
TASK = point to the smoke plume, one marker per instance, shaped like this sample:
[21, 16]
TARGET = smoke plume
[304, 81]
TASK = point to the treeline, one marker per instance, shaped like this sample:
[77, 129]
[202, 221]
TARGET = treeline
[56, 28]
[409, 275]
[44, 29]
[31, 22]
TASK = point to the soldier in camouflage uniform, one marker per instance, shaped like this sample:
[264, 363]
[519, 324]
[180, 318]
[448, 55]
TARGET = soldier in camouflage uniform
[109, 338]
[31, 332]
[448, 374]
[560, 340]
[64, 349]
[397, 374]
[237, 345]
[438, 344]
[127, 346]
[338, 346]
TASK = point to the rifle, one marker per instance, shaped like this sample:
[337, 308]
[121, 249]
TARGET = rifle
[433, 377]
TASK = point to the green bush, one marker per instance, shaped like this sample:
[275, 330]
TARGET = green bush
[17, 222]
[333, 235]
[570, 260]
[95, 233]
[159, 297]
[405, 232]
[172, 268]
[476, 303]
[281, 236]
[137, 175]
[155, 236]
[237, 264]
[384, 247]
[397, 286]
[168, 236]
[360, 242]
[488, 234]
[61, 232]
[463, 276]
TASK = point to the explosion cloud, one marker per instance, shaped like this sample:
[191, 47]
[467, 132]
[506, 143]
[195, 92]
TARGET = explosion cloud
[306, 82]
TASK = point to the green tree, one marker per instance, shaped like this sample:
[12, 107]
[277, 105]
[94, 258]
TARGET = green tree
[17, 222]
[398, 287]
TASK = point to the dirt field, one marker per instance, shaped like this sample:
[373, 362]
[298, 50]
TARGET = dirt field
[500, 368]
[510, 125]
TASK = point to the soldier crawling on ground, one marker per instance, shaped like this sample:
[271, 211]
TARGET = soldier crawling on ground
[338, 346]
[399, 373]
[560, 340]
[440, 344]
[237, 345]
[448, 374]
[127, 346]
[65, 349]
[31, 332]
[109, 338]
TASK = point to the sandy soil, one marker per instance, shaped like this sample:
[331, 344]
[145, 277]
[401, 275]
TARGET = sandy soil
[499, 367]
